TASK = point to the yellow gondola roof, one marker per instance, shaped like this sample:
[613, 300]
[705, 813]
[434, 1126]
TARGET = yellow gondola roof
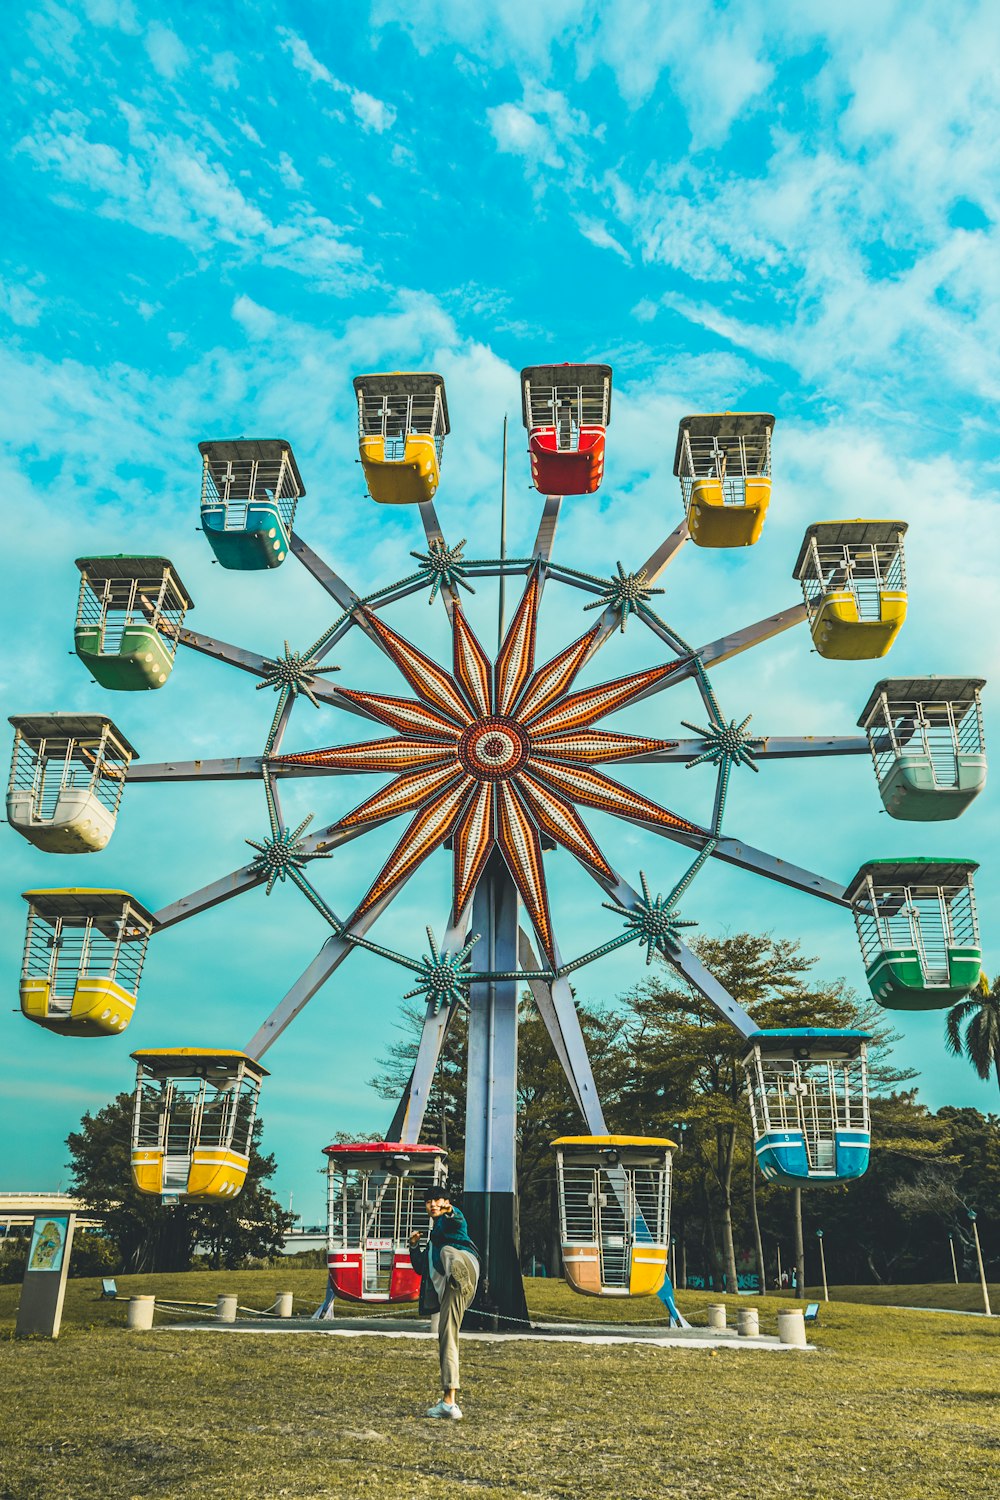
[86, 901]
[178, 1059]
[70, 726]
[614, 1140]
[848, 533]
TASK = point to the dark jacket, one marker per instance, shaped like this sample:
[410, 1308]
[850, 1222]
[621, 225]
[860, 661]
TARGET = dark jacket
[447, 1229]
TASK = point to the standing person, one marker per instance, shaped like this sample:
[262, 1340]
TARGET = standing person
[451, 1261]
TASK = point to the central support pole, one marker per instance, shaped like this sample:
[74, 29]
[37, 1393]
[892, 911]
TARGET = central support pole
[490, 1200]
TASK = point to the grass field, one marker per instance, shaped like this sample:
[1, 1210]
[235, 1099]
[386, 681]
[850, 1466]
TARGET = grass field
[893, 1406]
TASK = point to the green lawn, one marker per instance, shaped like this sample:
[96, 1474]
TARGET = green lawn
[893, 1406]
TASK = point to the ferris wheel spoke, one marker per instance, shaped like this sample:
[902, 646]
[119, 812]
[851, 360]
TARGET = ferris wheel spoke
[691, 967]
[230, 768]
[334, 586]
[244, 879]
[327, 961]
[545, 538]
[233, 656]
[557, 1008]
[757, 861]
[773, 747]
[751, 635]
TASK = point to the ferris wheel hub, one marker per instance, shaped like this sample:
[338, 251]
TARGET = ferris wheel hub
[493, 748]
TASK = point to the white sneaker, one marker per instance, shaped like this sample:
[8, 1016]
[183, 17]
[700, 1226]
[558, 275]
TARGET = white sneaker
[451, 1411]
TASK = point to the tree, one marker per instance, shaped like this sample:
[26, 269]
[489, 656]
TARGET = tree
[973, 1027]
[148, 1236]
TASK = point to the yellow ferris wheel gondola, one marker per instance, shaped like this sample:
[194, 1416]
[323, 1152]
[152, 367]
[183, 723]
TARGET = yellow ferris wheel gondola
[723, 461]
[83, 956]
[614, 1212]
[193, 1120]
[402, 425]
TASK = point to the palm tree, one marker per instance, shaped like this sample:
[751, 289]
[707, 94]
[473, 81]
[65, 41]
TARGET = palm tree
[973, 1027]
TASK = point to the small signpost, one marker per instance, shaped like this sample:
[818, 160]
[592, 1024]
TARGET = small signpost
[44, 1284]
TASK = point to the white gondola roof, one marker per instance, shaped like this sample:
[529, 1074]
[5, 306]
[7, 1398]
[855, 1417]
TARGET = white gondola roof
[248, 451]
[918, 871]
[722, 425]
[847, 534]
[922, 690]
[148, 570]
[405, 383]
[35, 727]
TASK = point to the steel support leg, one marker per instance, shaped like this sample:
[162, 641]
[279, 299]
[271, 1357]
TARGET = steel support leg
[490, 1200]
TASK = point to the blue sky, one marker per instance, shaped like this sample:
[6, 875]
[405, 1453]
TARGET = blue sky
[215, 219]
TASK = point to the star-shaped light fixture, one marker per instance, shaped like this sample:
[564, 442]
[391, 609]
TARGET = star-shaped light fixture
[443, 566]
[625, 594]
[278, 856]
[725, 742]
[444, 978]
[294, 671]
[654, 921]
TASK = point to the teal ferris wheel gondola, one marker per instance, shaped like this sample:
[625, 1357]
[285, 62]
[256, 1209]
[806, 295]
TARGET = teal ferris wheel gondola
[249, 491]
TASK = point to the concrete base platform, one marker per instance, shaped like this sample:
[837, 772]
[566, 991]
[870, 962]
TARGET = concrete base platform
[561, 1333]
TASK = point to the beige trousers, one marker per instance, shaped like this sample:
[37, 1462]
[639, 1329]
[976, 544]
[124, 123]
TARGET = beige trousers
[461, 1272]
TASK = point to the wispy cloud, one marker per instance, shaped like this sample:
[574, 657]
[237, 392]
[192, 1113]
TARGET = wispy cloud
[166, 185]
[372, 114]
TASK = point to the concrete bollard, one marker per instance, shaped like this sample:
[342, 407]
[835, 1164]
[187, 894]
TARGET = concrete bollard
[283, 1304]
[792, 1328]
[748, 1322]
[140, 1312]
[717, 1316]
[225, 1309]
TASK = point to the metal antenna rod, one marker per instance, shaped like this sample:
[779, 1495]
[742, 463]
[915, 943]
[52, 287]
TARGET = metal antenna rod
[503, 533]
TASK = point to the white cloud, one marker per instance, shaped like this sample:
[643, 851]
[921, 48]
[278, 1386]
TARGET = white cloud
[372, 113]
[520, 134]
[223, 70]
[302, 57]
[117, 14]
[169, 186]
[20, 304]
[166, 51]
[598, 234]
[286, 171]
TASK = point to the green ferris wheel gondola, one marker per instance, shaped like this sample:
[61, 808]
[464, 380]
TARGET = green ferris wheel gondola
[919, 931]
[129, 614]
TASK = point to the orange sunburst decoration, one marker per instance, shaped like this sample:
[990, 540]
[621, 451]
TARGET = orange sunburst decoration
[494, 757]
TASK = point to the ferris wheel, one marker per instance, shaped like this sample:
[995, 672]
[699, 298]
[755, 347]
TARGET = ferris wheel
[499, 758]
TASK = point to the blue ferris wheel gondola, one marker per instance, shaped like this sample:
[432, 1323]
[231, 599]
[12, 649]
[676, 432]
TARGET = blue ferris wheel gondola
[808, 1092]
